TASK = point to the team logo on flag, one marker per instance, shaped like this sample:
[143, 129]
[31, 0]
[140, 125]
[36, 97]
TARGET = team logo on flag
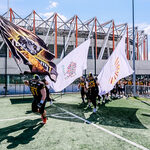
[72, 66]
[116, 72]
[28, 48]
[116, 68]
[71, 70]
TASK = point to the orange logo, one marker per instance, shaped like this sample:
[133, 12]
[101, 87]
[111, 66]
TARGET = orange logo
[117, 70]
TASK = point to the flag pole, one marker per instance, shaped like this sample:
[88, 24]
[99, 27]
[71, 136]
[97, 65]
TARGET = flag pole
[5, 87]
[64, 41]
[134, 76]
[95, 56]
[87, 58]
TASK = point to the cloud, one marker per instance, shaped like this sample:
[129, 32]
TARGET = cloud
[145, 27]
[52, 4]
[46, 15]
[49, 14]
[147, 30]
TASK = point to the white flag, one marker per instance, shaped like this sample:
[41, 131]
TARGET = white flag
[71, 67]
[116, 68]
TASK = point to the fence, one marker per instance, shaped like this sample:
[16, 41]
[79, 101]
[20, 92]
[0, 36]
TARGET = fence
[17, 89]
[141, 90]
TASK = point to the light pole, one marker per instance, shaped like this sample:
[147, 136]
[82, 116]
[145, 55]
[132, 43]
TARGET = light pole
[134, 88]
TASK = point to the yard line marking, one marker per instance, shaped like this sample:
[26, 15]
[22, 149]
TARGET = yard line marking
[97, 126]
[58, 115]
[105, 130]
[37, 116]
[10, 119]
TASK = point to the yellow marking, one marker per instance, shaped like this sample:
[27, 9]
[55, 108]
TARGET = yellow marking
[34, 91]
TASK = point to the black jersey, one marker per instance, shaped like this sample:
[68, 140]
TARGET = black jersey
[92, 83]
[35, 87]
[92, 86]
[82, 84]
[96, 86]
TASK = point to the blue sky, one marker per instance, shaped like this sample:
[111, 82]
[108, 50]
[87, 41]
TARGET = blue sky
[119, 10]
[104, 10]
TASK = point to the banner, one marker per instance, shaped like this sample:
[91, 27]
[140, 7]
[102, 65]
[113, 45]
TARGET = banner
[71, 67]
[28, 48]
[116, 68]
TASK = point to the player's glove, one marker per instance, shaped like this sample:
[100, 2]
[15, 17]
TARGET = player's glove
[39, 105]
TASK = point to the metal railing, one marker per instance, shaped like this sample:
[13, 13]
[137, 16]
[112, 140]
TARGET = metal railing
[141, 90]
[18, 89]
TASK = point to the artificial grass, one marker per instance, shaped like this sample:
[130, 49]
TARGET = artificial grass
[128, 118]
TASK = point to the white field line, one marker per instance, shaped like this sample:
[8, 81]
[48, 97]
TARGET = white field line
[59, 115]
[27, 117]
[105, 130]
[97, 126]
[37, 116]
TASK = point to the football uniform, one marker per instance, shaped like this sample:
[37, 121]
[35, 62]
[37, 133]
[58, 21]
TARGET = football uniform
[35, 87]
[92, 91]
[82, 85]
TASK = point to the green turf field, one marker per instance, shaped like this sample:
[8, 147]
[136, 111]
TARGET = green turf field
[20, 129]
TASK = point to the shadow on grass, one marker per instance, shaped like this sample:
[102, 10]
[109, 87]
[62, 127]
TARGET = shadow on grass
[29, 112]
[21, 100]
[117, 116]
[74, 108]
[146, 103]
[109, 116]
[28, 129]
[136, 97]
[147, 115]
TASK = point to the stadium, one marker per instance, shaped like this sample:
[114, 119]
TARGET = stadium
[63, 36]
[119, 123]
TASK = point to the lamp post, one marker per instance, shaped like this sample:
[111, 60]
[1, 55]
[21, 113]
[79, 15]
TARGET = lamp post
[134, 86]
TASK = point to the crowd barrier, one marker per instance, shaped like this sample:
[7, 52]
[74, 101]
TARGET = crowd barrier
[17, 89]
[141, 90]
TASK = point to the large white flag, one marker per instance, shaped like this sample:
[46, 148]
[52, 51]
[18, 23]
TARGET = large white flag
[116, 68]
[71, 67]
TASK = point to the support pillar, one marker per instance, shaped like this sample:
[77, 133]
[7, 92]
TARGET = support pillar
[34, 22]
[76, 31]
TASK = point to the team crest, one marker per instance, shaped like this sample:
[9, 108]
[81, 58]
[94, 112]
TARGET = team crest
[71, 70]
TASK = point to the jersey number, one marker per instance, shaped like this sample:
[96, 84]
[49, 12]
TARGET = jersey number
[34, 91]
[92, 84]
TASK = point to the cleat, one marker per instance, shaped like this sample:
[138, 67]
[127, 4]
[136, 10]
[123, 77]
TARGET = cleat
[44, 119]
[94, 110]
[89, 106]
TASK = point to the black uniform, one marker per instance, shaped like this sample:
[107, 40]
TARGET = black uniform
[82, 86]
[92, 93]
[35, 87]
